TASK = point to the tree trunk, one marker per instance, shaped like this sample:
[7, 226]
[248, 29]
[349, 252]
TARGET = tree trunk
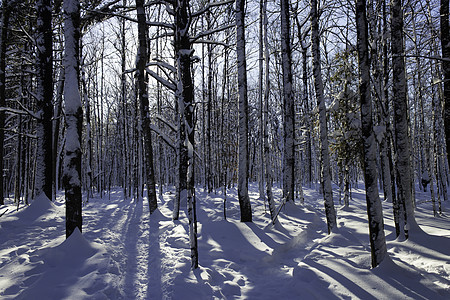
[74, 117]
[268, 165]
[262, 15]
[244, 200]
[288, 96]
[402, 143]
[323, 131]
[185, 97]
[3, 37]
[145, 109]
[445, 43]
[374, 208]
[44, 98]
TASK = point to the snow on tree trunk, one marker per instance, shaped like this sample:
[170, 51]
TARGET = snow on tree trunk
[288, 161]
[74, 117]
[185, 96]
[445, 43]
[145, 111]
[44, 97]
[3, 35]
[244, 200]
[374, 208]
[402, 142]
[323, 131]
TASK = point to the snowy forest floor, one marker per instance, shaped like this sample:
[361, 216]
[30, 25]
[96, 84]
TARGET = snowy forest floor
[126, 254]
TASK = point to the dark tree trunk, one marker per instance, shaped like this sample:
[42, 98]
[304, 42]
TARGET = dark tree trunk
[289, 124]
[244, 200]
[144, 105]
[445, 42]
[3, 37]
[44, 98]
[74, 117]
[323, 131]
[185, 97]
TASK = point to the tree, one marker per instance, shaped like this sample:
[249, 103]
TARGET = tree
[44, 97]
[289, 124]
[74, 117]
[374, 208]
[445, 44]
[402, 143]
[3, 38]
[323, 131]
[265, 115]
[185, 96]
[244, 200]
[144, 105]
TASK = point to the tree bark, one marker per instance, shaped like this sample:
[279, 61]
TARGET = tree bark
[289, 124]
[323, 131]
[145, 109]
[3, 36]
[374, 208]
[445, 43]
[44, 98]
[185, 97]
[244, 200]
[74, 117]
[402, 142]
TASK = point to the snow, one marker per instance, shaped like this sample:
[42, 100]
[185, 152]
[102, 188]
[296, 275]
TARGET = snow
[124, 253]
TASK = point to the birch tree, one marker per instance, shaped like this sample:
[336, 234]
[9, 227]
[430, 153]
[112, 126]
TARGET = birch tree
[74, 116]
[323, 131]
[374, 208]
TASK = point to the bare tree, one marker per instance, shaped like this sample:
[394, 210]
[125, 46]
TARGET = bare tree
[244, 200]
[144, 105]
[374, 208]
[3, 36]
[402, 142]
[289, 123]
[445, 43]
[323, 131]
[74, 117]
[44, 97]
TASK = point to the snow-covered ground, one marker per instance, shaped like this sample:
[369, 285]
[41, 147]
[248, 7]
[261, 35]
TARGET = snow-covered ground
[124, 253]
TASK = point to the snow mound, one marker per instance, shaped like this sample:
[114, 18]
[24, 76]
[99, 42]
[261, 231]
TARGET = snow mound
[36, 210]
[75, 269]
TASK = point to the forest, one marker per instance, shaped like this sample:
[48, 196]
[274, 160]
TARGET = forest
[202, 118]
